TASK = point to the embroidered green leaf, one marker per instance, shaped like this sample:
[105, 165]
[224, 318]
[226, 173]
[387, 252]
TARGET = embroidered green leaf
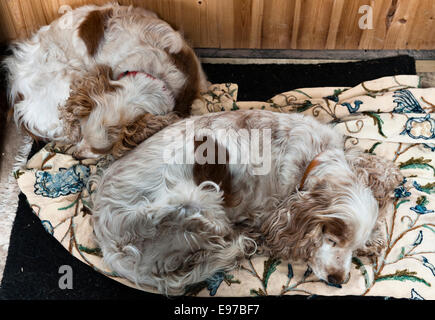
[419, 163]
[305, 106]
[402, 253]
[360, 266]
[87, 204]
[257, 293]
[68, 206]
[338, 91]
[95, 251]
[373, 148]
[401, 202]
[403, 275]
[229, 279]
[305, 94]
[428, 188]
[422, 201]
[18, 173]
[427, 227]
[376, 120]
[269, 268]
[235, 107]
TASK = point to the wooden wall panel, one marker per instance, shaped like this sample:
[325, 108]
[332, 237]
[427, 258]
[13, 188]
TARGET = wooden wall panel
[266, 24]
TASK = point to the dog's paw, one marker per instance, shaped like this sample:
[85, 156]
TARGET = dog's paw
[372, 249]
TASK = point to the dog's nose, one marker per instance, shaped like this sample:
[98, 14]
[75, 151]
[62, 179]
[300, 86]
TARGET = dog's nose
[335, 278]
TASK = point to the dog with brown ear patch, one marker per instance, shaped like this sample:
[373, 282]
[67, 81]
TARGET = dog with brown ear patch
[103, 78]
[169, 222]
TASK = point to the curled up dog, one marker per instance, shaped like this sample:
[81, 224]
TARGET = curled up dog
[187, 203]
[103, 78]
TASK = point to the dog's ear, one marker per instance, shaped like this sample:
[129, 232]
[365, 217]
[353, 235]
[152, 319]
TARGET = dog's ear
[81, 101]
[380, 175]
[295, 228]
[125, 137]
[92, 28]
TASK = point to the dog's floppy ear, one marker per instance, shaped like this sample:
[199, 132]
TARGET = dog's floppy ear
[296, 226]
[380, 175]
[127, 136]
[81, 100]
[91, 30]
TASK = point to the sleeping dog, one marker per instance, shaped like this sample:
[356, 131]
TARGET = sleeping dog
[103, 78]
[200, 195]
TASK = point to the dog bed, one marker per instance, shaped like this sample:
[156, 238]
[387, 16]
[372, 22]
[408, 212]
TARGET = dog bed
[391, 117]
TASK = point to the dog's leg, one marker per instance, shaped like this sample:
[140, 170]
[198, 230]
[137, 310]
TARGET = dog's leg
[374, 246]
[203, 264]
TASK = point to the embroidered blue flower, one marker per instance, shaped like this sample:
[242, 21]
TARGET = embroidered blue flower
[401, 192]
[430, 134]
[61, 183]
[214, 282]
[406, 102]
[351, 109]
[332, 98]
[421, 209]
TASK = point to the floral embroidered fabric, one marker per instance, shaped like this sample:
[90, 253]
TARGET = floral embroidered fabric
[391, 117]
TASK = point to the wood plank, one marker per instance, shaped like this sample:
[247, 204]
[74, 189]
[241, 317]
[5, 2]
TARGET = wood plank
[337, 11]
[296, 23]
[260, 24]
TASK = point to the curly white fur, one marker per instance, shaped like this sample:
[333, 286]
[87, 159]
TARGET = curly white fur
[160, 224]
[42, 69]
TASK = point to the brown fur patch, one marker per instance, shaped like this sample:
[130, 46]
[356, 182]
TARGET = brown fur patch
[186, 62]
[81, 99]
[91, 30]
[296, 226]
[337, 228]
[217, 172]
[127, 136]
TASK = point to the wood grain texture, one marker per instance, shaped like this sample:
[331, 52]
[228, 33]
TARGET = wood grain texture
[260, 24]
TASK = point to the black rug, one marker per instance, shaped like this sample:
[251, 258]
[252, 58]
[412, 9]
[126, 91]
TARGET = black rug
[34, 258]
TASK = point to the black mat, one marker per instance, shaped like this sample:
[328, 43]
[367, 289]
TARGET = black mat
[34, 258]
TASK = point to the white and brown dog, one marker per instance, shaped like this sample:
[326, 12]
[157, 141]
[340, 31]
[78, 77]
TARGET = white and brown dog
[187, 203]
[103, 78]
